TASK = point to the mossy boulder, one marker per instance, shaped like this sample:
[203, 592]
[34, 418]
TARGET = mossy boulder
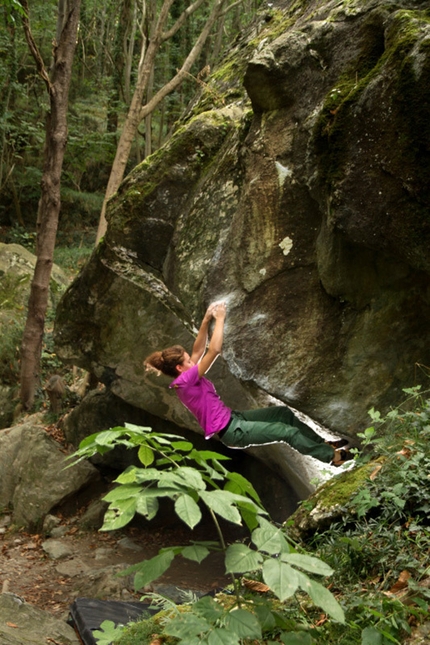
[302, 202]
[328, 503]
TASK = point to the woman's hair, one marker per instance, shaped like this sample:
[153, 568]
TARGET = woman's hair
[166, 360]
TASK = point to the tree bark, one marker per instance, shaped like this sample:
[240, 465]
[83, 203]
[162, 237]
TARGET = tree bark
[137, 112]
[49, 204]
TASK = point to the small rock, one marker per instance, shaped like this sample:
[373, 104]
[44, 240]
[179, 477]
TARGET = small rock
[93, 517]
[50, 522]
[59, 531]
[72, 568]
[57, 549]
[126, 543]
[5, 521]
[102, 553]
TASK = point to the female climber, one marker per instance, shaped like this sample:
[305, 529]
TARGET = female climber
[235, 429]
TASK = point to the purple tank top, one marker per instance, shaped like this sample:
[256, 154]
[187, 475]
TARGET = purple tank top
[200, 397]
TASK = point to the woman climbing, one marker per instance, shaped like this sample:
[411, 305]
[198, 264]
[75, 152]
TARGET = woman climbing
[235, 429]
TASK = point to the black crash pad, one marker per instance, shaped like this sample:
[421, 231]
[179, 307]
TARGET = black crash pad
[86, 615]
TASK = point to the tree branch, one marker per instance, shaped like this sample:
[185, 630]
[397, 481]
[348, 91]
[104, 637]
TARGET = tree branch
[182, 18]
[189, 61]
[40, 65]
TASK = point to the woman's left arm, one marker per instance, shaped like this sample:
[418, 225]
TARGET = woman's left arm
[200, 343]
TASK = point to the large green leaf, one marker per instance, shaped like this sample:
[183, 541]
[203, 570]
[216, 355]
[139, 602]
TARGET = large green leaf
[321, 597]
[107, 437]
[186, 626]
[146, 455]
[147, 506]
[220, 503]
[265, 617]
[308, 563]
[219, 636]
[297, 638]
[187, 509]
[146, 475]
[248, 515]
[371, 636]
[88, 441]
[239, 558]
[191, 477]
[208, 608]
[185, 446]
[243, 623]
[137, 429]
[152, 569]
[207, 455]
[129, 476]
[158, 492]
[195, 552]
[281, 578]
[237, 483]
[119, 515]
[126, 491]
[172, 478]
[268, 538]
[107, 633]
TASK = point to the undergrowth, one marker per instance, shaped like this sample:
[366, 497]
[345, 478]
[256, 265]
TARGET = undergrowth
[380, 550]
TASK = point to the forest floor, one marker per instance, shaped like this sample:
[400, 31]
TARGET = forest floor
[53, 584]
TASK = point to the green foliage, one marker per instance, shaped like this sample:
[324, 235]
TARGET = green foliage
[20, 235]
[381, 546]
[173, 468]
[107, 633]
[72, 258]
[10, 342]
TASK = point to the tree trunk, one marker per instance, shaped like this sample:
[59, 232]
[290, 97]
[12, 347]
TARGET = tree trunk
[133, 117]
[136, 112]
[49, 204]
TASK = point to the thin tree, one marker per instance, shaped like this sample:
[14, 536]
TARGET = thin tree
[57, 82]
[137, 112]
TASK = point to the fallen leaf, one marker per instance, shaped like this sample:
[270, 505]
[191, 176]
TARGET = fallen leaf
[404, 452]
[254, 585]
[12, 625]
[375, 472]
[156, 640]
[321, 621]
[401, 583]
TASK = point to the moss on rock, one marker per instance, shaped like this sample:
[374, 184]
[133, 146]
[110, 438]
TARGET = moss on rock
[329, 502]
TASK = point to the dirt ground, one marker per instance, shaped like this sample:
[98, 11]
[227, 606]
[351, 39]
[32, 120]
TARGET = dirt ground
[53, 584]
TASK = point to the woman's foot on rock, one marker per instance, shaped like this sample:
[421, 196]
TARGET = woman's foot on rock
[341, 456]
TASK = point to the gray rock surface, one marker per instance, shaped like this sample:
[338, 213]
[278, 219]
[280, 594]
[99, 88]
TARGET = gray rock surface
[33, 478]
[23, 624]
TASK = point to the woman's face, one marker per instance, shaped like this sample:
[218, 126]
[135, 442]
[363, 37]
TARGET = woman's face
[186, 364]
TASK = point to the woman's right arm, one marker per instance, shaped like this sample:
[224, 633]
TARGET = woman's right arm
[216, 341]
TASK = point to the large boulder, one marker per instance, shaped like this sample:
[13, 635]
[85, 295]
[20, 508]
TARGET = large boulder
[304, 204]
[33, 478]
[16, 271]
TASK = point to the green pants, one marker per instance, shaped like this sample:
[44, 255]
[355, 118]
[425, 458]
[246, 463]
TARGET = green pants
[274, 425]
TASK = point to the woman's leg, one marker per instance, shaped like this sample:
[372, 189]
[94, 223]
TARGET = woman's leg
[282, 414]
[273, 425]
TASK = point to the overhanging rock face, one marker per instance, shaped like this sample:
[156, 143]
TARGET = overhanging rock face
[303, 203]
